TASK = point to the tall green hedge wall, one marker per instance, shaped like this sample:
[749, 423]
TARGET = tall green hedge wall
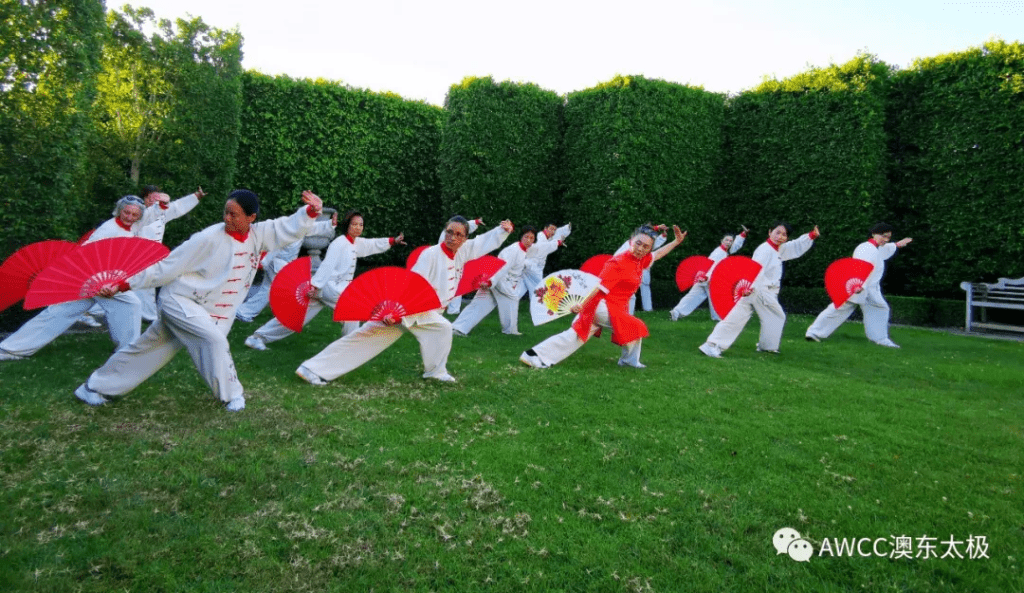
[640, 150]
[956, 124]
[500, 154]
[810, 150]
[50, 54]
[375, 153]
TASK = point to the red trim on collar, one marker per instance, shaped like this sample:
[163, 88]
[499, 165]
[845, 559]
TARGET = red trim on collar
[240, 237]
[723, 248]
[523, 247]
[447, 251]
[351, 239]
[774, 246]
[872, 241]
[121, 224]
[164, 205]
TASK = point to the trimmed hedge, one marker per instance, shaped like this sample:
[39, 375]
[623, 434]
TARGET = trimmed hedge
[376, 153]
[810, 150]
[50, 53]
[957, 142]
[640, 150]
[500, 154]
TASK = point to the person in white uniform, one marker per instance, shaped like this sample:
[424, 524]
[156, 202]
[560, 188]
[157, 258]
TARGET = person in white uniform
[331, 279]
[442, 266]
[204, 280]
[699, 292]
[873, 307]
[456, 304]
[162, 210]
[501, 291]
[123, 311]
[548, 241]
[645, 279]
[763, 296]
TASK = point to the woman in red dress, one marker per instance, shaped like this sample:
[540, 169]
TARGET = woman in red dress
[608, 306]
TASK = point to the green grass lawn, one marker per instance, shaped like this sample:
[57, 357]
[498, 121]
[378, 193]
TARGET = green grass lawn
[583, 477]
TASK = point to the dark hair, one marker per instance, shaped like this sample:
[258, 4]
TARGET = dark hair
[347, 219]
[783, 224]
[730, 235]
[528, 229]
[247, 199]
[460, 220]
[880, 229]
[148, 189]
[648, 230]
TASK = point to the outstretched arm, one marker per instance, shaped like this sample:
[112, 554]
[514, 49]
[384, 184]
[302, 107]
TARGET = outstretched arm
[666, 249]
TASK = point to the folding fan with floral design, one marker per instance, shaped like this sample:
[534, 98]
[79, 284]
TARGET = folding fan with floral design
[18, 271]
[559, 293]
[85, 270]
[595, 264]
[478, 271]
[692, 270]
[733, 276]
[387, 293]
[289, 293]
[844, 276]
[414, 256]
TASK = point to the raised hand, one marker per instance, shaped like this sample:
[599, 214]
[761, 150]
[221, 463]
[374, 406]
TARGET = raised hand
[400, 239]
[313, 200]
[507, 226]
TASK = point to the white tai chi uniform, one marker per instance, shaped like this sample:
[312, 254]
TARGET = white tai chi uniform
[699, 293]
[204, 280]
[764, 299]
[123, 311]
[456, 304]
[645, 280]
[443, 271]
[331, 279]
[160, 214]
[503, 293]
[872, 304]
[537, 258]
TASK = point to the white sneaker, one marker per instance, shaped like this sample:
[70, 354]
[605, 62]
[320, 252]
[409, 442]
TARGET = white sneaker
[309, 376]
[89, 396]
[255, 342]
[760, 349]
[673, 315]
[243, 319]
[5, 355]
[638, 365]
[532, 361]
[89, 321]
[512, 333]
[710, 349]
[445, 378]
[456, 332]
[811, 338]
[236, 404]
[888, 343]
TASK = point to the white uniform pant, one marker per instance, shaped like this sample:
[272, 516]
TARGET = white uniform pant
[482, 304]
[257, 300]
[560, 346]
[872, 306]
[454, 306]
[205, 340]
[645, 297]
[769, 311]
[532, 277]
[147, 299]
[124, 321]
[342, 356]
[692, 299]
[273, 330]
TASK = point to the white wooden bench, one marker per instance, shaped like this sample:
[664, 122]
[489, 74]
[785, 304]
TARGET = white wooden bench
[1005, 294]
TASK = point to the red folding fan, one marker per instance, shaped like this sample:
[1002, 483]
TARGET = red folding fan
[595, 264]
[84, 271]
[844, 276]
[692, 270]
[389, 291]
[289, 293]
[733, 276]
[477, 272]
[414, 256]
[18, 271]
